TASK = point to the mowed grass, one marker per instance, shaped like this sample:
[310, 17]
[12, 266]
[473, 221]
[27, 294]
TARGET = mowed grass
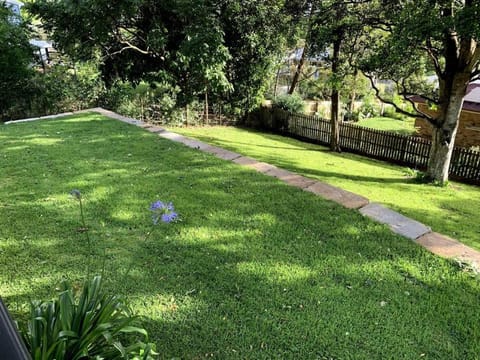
[452, 210]
[255, 269]
[403, 127]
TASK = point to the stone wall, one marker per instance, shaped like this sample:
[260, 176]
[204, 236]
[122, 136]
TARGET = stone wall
[468, 134]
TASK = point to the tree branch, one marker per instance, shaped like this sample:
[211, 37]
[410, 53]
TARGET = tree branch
[406, 94]
[418, 114]
[431, 54]
[129, 47]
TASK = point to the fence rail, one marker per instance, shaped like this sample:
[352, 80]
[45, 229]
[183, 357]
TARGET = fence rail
[399, 149]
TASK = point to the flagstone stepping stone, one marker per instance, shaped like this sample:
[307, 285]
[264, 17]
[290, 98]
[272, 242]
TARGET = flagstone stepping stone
[340, 196]
[398, 223]
[449, 248]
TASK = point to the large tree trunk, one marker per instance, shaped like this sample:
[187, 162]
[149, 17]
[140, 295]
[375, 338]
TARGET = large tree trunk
[335, 122]
[335, 98]
[445, 128]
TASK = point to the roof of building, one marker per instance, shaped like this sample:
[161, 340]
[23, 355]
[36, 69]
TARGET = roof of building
[473, 95]
[471, 101]
[41, 44]
[14, 2]
[295, 55]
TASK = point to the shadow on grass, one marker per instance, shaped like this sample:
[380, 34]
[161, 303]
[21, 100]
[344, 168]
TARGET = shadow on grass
[255, 269]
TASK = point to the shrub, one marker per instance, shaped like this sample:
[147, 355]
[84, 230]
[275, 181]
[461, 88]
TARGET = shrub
[60, 89]
[63, 89]
[90, 326]
[293, 103]
[149, 101]
[369, 108]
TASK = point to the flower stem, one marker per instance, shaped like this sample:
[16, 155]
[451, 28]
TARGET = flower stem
[147, 236]
[85, 230]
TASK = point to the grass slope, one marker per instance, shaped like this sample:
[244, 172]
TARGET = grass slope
[404, 127]
[452, 210]
[255, 269]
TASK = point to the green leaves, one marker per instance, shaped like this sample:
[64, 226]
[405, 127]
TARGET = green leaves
[226, 49]
[16, 55]
[292, 103]
[88, 326]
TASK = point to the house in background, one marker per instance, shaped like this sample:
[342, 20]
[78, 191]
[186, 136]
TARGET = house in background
[468, 134]
[16, 8]
[43, 49]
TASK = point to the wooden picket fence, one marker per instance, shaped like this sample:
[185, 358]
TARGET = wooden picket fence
[395, 148]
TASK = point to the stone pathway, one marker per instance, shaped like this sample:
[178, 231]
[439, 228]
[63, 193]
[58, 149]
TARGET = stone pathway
[419, 233]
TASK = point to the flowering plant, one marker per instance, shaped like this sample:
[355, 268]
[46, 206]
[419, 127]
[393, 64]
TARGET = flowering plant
[93, 324]
[163, 211]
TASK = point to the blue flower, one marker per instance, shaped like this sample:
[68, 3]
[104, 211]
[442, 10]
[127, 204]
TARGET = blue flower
[164, 212]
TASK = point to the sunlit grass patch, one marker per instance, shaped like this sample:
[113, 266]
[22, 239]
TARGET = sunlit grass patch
[252, 269]
[452, 210]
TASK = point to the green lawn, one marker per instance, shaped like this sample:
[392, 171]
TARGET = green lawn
[404, 127]
[452, 210]
[256, 269]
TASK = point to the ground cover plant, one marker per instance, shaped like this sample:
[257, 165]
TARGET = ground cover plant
[252, 268]
[452, 210]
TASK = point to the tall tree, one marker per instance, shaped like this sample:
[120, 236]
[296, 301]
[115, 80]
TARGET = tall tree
[437, 35]
[206, 47]
[338, 26]
[16, 56]
[255, 34]
[305, 51]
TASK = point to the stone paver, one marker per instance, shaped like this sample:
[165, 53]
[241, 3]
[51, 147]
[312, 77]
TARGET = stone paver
[299, 181]
[279, 173]
[195, 144]
[222, 153]
[39, 118]
[245, 161]
[171, 136]
[113, 115]
[398, 223]
[290, 178]
[155, 129]
[342, 197]
[262, 167]
[449, 248]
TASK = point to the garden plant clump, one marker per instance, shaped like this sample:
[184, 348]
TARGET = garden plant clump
[93, 323]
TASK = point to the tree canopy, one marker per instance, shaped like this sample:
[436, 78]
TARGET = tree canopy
[15, 57]
[437, 36]
[226, 48]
